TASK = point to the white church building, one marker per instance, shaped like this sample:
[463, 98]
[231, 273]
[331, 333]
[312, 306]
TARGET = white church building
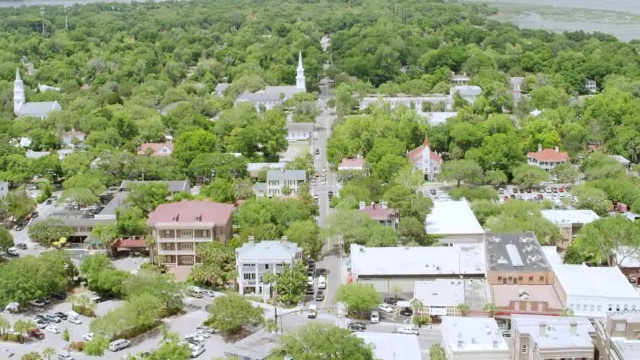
[34, 109]
[273, 96]
[425, 160]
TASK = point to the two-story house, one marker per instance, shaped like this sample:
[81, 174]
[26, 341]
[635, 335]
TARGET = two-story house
[299, 131]
[279, 180]
[179, 227]
[380, 213]
[254, 260]
[547, 159]
[156, 149]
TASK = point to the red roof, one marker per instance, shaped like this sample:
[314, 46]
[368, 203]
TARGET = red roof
[415, 155]
[155, 148]
[192, 211]
[377, 212]
[130, 243]
[351, 164]
[548, 155]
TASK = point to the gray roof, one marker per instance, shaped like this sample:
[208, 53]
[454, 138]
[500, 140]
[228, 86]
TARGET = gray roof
[275, 250]
[220, 88]
[270, 93]
[304, 126]
[110, 209]
[516, 80]
[174, 186]
[257, 346]
[621, 159]
[515, 252]
[38, 109]
[38, 154]
[286, 175]
[467, 90]
[76, 221]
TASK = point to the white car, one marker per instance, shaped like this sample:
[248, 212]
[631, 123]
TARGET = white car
[205, 329]
[65, 356]
[385, 307]
[202, 334]
[75, 321]
[52, 329]
[37, 302]
[208, 293]
[195, 337]
[408, 330]
[310, 280]
[87, 337]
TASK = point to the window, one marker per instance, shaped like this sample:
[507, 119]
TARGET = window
[186, 246]
[610, 307]
[541, 278]
[250, 276]
[530, 278]
[519, 278]
[250, 265]
[524, 349]
[499, 278]
[185, 232]
[626, 307]
[617, 307]
[266, 266]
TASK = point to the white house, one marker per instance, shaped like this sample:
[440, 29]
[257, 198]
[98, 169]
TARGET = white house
[277, 180]
[426, 161]
[273, 96]
[472, 338]
[454, 223]
[468, 92]
[593, 291]
[421, 104]
[591, 86]
[33, 109]
[299, 131]
[254, 260]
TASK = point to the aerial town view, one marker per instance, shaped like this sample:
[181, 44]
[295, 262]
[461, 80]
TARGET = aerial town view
[319, 180]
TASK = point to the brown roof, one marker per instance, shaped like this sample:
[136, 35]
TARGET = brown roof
[130, 243]
[377, 212]
[549, 155]
[155, 147]
[190, 211]
[352, 163]
[504, 294]
[416, 154]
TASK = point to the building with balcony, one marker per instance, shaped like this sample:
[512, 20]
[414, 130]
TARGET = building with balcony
[254, 260]
[179, 228]
[547, 159]
[470, 338]
[380, 213]
[618, 336]
[551, 337]
[279, 180]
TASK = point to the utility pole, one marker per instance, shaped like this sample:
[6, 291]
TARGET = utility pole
[42, 14]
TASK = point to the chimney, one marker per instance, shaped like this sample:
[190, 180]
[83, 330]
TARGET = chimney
[285, 239]
[539, 147]
[252, 239]
[542, 327]
[557, 149]
[573, 328]
[362, 205]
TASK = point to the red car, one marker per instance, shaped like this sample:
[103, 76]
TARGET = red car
[36, 333]
[561, 190]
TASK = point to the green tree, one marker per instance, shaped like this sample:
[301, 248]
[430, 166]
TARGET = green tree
[48, 353]
[529, 175]
[149, 282]
[463, 309]
[97, 346]
[232, 312]
[387, 168]
[5, 325]
[217, 266]
[495, 177]
[22, 327]
[566, 173]
[290, 284]
[31, 356]
[220, 190]
[6, 239]
[600, 166]
[436, 352]
[191, 143]
[49, 231]
[66, 335]
[170, 350]
[19, 204]
[462, 170]
[610, 239]
[318, 338]
[147, 197]
[306, 234]
[225, 166]
[491, 308]
[355, 227]
[358, 298]
[591, 198]
[411, 231]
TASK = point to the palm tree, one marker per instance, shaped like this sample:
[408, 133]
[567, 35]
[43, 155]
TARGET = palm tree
[395, 289]
[491, 308]
[48, 353]
[463, 309]
[151, 242]
[417, 306]
[4, 325]
[566, 312]
[22, 326]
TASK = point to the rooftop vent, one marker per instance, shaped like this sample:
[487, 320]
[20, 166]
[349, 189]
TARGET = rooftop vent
[175, 218]
[198, 218]
[502, 260]
[495, 343]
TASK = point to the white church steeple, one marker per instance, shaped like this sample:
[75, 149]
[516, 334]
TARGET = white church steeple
[18, 93]
[300, 80]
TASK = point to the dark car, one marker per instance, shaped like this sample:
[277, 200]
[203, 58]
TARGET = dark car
[61, 315]
[53, 318]
[320, 295]
[321, 272]
[406, 311]
[330, 193]
[20, 227]
[60, 295]
[432, 191]
[49, 202]
[21, 246]
[357, 326]
[391, 301]
[310, 290]
[35, 214]
[36, 333]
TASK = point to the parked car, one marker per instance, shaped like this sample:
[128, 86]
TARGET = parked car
[119, 345]
[87, 337]
[42, 323]
[49, 202]
[310, 290]
[196, 337]
[357, 326]
[61, 315]
[385, 307]
[408, 330]
[406, 311]
[65, 356]
[35, 214]
[203, 334]
[322, 282]
[432, 191]
[36, 333]
[375, 317]
[53, 318]
[320, 295]
[310, 280]
[37, 302]
[75, 321]
[20, 226]
[60, 295]
[53, 329]
[13, 252]
[205, 329]
[208, 293]
[21, 246]
[390, 300]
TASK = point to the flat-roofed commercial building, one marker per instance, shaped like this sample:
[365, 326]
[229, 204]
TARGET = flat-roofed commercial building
[386, 267]
[618, 336]
[551, 337]
[441, 297]
[469, 338]
[453, 222]
[392, 346]
[569, 222]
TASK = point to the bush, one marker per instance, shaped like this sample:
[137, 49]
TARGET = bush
[84, 311]
[10, 337]
[77, 345]
[97, 346]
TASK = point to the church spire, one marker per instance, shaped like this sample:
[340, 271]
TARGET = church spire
[18, 93]
[300, 79]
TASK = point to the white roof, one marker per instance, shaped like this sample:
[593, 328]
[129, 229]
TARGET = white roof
[568, 217]
[557, 333]
[628, 257]
[439, 117]
[392, 346]
[472, 334]
[585, 281]
[552, 255]
[466, 90]
[259, 166]
[440, 292]
[432, 260]
[452, 218]
[274, 250]
[621, 159]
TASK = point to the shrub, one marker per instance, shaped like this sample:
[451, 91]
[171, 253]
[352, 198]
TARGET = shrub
[84, 311]
[77, 345]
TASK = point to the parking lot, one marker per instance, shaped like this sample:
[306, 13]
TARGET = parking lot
[183, 325]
